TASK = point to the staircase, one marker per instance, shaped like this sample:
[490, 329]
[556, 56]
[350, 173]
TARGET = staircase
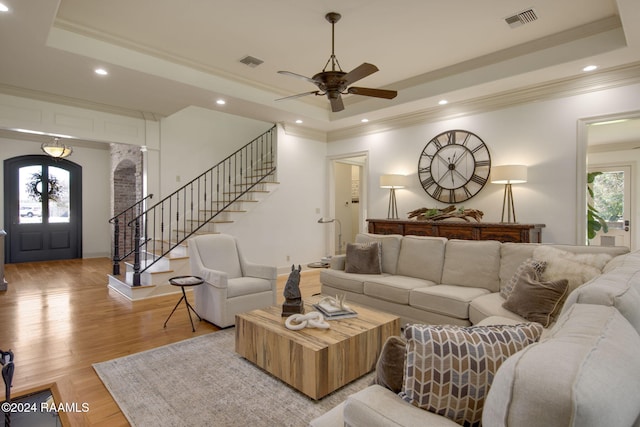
[152, 241]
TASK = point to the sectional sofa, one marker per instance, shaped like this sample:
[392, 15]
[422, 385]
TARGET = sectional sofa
[438, 281]
[583, 371]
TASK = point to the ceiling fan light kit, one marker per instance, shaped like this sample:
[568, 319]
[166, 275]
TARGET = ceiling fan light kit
[334, 82]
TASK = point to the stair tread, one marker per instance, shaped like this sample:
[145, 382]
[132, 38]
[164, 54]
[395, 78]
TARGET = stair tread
[199, 232]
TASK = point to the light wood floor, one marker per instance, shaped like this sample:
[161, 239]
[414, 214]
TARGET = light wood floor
[59, 317]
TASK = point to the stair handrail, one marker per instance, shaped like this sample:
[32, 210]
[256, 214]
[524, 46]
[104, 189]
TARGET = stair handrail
[232, 172]
[204, 173]
[115, 220]
[135, 205]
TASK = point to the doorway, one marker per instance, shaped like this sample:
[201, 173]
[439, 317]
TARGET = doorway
[608, 143]
[347, 199]
[43, 209]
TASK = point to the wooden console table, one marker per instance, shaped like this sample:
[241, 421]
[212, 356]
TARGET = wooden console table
[503, 232]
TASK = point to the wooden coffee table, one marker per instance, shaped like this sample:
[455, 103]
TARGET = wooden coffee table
[314, 361]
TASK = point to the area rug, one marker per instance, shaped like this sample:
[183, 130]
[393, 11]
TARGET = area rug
[203, 382]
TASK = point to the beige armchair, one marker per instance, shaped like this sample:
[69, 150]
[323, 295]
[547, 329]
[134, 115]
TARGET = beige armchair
[232, 284]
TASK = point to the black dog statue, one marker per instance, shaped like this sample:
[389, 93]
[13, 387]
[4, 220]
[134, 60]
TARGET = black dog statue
[292, 298]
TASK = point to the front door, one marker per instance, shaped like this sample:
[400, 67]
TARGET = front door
[43, 209]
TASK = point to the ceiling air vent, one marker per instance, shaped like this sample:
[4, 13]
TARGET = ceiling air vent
[251, 61]
[521, 18]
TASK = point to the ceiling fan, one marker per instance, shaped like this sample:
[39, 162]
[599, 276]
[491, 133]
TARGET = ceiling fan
[334, 83]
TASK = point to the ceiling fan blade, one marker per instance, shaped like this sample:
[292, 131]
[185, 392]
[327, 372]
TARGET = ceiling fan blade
[313, 92]
[336, 104]
[378, 93]
[298, 76]
[359, 72]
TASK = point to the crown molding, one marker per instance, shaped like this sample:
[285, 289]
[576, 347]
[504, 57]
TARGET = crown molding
[304, 132]
[560, 88]
[78, 103]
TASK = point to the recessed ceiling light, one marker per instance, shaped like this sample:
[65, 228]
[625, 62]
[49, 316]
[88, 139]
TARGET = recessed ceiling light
[364, 120]
[3, 8]
[101, 71]
[221, 102]
[443, 102]
[298, 121]
[590, 68]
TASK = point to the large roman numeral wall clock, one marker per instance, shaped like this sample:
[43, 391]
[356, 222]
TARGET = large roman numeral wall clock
[454, 166]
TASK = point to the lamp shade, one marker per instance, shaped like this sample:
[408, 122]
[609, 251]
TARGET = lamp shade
[509, 174]
[392, 181]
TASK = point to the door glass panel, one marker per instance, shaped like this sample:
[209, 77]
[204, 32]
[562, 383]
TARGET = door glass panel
[608, 198]
[30, 194]
[611, 200]
[58, 195]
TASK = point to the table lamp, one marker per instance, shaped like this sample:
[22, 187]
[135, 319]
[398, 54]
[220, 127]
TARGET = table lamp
[392, 182]
[507, 175]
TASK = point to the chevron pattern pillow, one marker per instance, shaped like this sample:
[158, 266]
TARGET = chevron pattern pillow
[449, 369]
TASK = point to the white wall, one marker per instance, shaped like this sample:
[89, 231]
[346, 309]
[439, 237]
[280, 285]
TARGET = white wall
[285, 223]
[542, 135]
[195, 139]
[96, 188]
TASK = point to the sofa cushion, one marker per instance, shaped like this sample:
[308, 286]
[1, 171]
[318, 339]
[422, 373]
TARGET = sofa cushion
[490, 305]
[422, 257]
[446, 299]
[472, 263]
[390, 365]
[393, 288]
[390, 248]
[375, 406]
[530, 263]
[449, 369]
[619, 287]
[363, 258]
[535, 300]
[347, 281]
[512, 255]
[586, 374]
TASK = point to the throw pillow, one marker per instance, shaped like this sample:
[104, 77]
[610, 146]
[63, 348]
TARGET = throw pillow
[537, 266]
[449, 369]
[363, 258]
[534, 300]
[390, 365]
[576, 268]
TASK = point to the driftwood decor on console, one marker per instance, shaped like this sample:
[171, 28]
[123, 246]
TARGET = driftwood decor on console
[435, 214]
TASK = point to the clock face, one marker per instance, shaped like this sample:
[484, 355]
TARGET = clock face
[454, 166]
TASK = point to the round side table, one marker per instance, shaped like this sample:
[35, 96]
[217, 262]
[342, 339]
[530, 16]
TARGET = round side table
[183, 282]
